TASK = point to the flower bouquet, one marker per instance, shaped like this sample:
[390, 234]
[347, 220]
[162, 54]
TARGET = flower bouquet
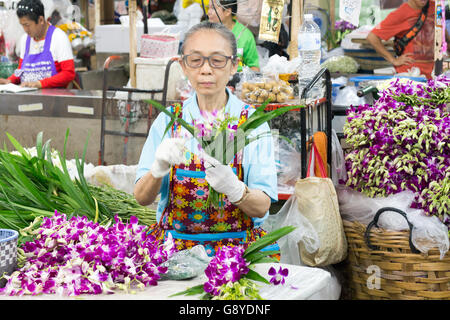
[221, 137]
[78, 256]
[341, 29]
[230, 276]
[401, 143]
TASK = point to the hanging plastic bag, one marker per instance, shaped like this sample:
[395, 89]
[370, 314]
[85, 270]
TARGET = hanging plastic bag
[289, 215]
[288, 164]
[338, 171]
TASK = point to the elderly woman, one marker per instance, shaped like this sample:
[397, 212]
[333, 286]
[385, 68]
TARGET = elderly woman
[173, 166]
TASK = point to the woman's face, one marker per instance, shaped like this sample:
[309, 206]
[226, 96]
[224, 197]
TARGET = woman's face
[213, 16]
[207, 80]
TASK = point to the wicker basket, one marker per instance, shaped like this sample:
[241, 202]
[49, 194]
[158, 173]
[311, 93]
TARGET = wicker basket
[403, 272]
[8, 252]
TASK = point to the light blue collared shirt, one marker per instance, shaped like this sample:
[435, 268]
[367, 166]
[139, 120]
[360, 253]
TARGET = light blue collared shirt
[258, 156]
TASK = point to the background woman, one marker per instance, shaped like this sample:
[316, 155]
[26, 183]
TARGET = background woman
[224, 11]
[46, 58]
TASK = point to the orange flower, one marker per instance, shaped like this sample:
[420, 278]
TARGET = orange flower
[189, 244]
[180, 190]
[179, 214]
[220, 216]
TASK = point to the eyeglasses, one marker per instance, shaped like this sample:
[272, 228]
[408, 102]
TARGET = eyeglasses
[196, 60]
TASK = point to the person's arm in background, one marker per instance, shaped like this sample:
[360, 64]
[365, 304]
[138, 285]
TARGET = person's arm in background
[62, 78]
[377, 44]
[250, 56]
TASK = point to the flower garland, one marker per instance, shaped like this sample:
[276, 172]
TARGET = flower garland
[77, 256]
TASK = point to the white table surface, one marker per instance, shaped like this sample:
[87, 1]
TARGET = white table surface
[302, 283]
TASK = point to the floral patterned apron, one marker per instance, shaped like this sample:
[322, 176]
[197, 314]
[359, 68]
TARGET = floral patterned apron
[187, 217]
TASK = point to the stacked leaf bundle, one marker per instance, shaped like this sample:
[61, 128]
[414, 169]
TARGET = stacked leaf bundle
[402, 142]
[32, 186]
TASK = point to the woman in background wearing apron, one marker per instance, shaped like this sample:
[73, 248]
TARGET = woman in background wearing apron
[46, 58]
[172, 165]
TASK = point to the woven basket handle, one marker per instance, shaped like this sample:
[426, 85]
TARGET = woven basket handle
[375, 222]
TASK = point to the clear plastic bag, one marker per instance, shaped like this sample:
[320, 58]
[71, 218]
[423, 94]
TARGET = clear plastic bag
[347, 96]
[338, 171]
[428, 232]
[289, 215]
[186, 264]
[288, 164]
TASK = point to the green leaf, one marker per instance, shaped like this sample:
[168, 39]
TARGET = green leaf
[253, 275]
[257, 255]
[18, 146]
[190, 291]
[266, 260]
[172, 116]
[39, 144]
[254, 121]
[268, 239]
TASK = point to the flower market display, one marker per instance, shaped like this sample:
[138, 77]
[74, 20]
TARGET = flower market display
[76, 256]
[77, 238]
[402, 142]
[37, 185]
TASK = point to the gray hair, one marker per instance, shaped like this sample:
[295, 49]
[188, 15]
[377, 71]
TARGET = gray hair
[217, 27]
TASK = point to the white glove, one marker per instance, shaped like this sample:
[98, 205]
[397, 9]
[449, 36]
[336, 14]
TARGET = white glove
[222, 179]
[169, 153]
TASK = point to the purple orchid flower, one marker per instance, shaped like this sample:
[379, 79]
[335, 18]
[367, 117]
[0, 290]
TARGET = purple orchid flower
[278, 277]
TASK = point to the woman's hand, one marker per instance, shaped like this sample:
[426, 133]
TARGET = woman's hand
[4, 81]
[222, 179]
[169, 153]
[33, 84]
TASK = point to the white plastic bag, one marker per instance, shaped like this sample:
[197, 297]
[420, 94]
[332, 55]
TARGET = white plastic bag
[347, 96]
[120, 177]
[305, 233]
[428, 232]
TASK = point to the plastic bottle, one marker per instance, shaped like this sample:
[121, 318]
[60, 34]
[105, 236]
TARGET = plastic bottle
[309, 38]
